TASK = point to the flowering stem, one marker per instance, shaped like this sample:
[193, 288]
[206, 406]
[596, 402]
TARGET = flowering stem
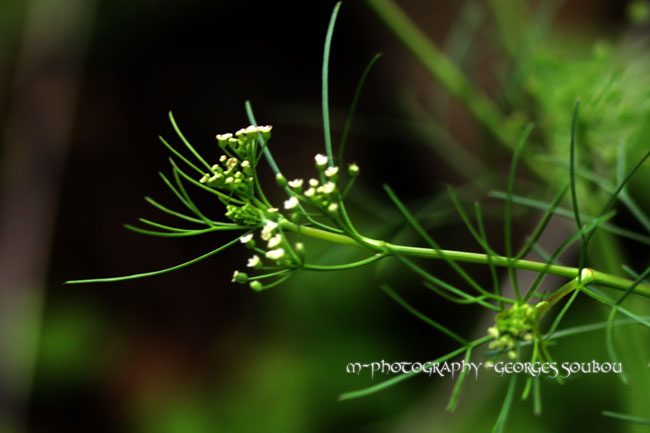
[601, 278]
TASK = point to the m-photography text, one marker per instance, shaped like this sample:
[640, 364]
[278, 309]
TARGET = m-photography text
[443, 369]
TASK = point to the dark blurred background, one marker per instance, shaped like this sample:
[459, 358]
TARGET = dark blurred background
[85, 87]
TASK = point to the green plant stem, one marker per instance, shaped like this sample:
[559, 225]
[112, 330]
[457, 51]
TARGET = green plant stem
[601, 278]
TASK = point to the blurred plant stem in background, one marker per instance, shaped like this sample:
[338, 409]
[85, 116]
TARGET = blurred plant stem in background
[39, 111]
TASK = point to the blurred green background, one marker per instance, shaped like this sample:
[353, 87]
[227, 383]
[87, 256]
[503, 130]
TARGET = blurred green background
[85, 86]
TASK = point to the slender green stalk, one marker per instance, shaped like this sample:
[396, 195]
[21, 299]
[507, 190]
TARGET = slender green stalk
[601, 278]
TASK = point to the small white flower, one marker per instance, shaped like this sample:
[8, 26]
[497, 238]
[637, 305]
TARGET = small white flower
[329, 187]
[331, 171]
[296, 183]
[245, 164]
[275, 241]
[310, 192]
[332, 208]
[353, 169]
[254, 261]
[240, 132]
[321, 160]
[251, 129]
[275, 254]
[229, 179]
[266, 128]
[273, 210]
[231, 163]
[205, 178]
[246, 238]
[268, 229]
[222, 137]
[291, 203]
[223, 158]
[313, 182]
[215, 178]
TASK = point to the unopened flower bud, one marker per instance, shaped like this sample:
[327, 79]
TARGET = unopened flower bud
[239, 277]
[280, 180]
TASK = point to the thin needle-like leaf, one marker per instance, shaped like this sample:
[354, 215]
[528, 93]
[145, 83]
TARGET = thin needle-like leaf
[493, 271]
[536, 204]
[438, 282]
[537, 397]
[180, 155]
[574, 195]
[175, 234]
[543, 223]
[180, 196]
[459, 208]
[563, 246]
[508, 218]
[353, 107]
[187, 143]
[609, 341]
[187, 198]
[267, 153]
[455, 395]
[218, 226]
[418, 228]
[157, 205]
[162, 271]
[190, 179]
[325, 85]
[390, 292]
[507, 404]
[628, 418]
[604, 300]
[614, 196]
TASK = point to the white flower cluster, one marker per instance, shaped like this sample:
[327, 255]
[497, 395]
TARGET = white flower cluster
[277, 252]
[321, 193]
[276, 245]
[235, 172]
[244, 141]
[232, 175]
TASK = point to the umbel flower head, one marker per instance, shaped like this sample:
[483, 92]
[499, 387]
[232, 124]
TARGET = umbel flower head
[235, 179]
[515, 324]
[273, 233]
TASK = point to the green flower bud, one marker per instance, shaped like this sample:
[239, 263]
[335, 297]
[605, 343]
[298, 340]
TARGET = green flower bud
[239, 277]
[280, 180]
